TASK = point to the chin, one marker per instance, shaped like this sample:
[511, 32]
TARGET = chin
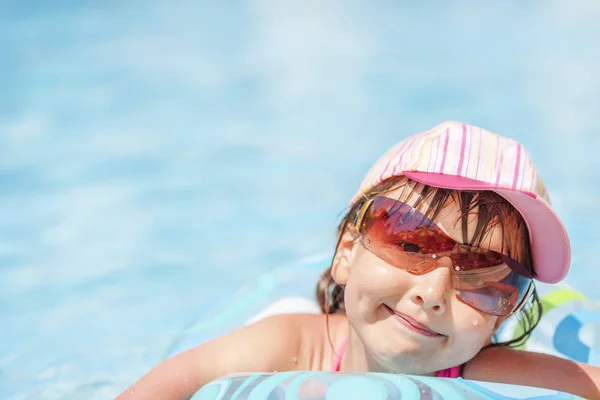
[409, 363]
[396, 350]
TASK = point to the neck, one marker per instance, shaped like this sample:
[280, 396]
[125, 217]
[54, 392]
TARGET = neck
[356, 358]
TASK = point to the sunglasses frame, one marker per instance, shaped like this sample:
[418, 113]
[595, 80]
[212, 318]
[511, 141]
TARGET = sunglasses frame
[357, 225]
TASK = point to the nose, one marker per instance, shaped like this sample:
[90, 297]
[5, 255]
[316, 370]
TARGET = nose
[431, 290]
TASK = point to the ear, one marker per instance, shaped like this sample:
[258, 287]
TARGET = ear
[340, 268]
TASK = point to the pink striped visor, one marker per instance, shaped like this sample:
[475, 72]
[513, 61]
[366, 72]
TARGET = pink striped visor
[457, 156]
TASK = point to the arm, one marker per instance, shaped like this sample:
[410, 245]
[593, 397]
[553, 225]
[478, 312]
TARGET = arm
[268, 345]
[504, 365]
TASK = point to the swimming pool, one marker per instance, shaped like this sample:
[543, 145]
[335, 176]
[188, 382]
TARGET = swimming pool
[152, 156]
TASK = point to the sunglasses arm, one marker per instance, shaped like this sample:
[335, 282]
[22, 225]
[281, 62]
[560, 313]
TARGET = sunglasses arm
[528, 294]
[361, 213]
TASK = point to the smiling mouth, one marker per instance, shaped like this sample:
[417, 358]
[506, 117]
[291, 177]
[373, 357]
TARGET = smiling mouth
[412, 324]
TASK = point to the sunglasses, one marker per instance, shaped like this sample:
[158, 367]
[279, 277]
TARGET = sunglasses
[486, 280]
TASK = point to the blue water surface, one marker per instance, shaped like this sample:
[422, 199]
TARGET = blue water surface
[154, 154]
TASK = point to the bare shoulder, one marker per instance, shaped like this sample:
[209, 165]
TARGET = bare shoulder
[272, 344]
[506, 365]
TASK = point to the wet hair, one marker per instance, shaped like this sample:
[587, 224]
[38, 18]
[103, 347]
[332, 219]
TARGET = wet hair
[492, 210]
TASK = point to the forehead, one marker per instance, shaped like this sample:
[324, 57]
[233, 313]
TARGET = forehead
[450, 218]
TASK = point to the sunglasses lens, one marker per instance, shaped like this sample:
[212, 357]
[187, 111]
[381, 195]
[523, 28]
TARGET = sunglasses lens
[400, 235]
[491, 294]
[387, 231]
[487, 280]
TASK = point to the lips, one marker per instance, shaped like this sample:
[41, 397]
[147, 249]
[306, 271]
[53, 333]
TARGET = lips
[413, 324]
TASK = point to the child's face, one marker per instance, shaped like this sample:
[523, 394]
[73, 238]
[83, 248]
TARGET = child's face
[380, 298]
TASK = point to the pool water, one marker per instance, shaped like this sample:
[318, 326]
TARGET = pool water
[153, 155]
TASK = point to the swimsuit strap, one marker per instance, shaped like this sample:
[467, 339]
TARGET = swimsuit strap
[340, 353]
[453, 372]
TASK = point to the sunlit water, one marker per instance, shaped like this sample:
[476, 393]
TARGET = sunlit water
[154, 154]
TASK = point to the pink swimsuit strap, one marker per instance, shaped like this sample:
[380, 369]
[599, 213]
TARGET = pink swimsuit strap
[453, 372]
[338, 356]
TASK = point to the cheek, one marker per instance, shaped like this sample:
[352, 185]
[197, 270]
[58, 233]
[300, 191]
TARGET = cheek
[371, 280]
[472, 328]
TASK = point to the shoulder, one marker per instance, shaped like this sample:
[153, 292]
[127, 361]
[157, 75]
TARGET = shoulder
[271, 344]
[274, 343]
[506, 365]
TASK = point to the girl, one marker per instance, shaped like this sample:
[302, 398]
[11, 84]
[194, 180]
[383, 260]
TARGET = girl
[441, 244]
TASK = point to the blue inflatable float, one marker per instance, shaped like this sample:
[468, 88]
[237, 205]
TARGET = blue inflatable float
[569, 328]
